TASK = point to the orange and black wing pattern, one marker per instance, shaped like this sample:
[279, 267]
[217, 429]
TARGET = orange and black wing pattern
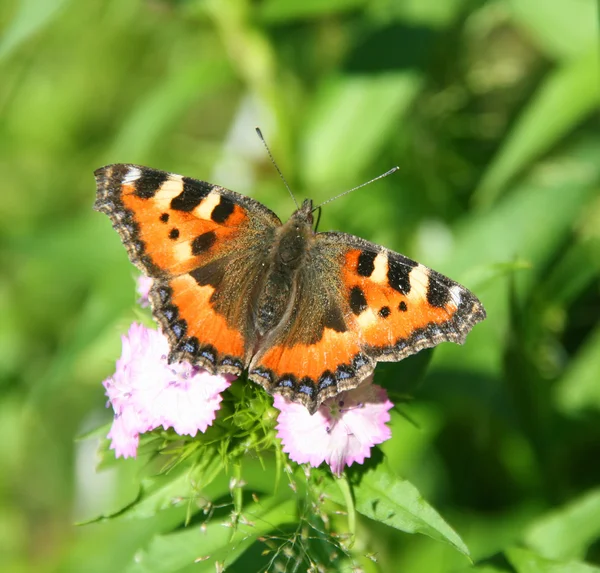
[371, 305]
[203, 245]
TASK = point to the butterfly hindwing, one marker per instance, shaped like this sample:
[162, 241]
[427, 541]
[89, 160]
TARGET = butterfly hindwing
[201, 244]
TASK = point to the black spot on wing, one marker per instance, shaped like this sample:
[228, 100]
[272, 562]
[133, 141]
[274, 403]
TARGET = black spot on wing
[203, 242]
[174, 234]
[164, 217]
[438, 289]
[398, 275]
[358, 302]
[366, 266]
[221, 212]
[402, 306]
[149, 182]
[384, 311]
[192, 195]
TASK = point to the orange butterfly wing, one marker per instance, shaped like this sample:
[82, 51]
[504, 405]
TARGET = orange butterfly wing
[201, 243]
[389, 307]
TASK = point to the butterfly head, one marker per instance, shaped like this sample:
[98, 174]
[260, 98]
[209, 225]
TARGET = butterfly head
[305, 213]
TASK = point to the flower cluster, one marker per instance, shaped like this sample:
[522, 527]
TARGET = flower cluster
[146, 392]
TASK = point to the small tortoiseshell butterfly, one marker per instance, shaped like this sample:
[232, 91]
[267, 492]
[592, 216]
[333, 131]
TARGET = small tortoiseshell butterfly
[307, 314]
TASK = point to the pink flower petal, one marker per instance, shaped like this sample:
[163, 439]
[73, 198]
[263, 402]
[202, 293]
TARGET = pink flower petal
[342, 431]
[143, 286]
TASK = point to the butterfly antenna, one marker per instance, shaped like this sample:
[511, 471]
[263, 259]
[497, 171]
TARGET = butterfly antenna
[259, 133]
[392, 170]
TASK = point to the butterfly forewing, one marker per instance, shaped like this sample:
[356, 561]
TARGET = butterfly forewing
[201, 244]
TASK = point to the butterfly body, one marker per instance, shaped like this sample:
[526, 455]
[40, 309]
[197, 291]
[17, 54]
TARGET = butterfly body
[307, 314]
[276, 287]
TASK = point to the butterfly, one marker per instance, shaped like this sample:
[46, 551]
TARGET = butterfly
[306, 314]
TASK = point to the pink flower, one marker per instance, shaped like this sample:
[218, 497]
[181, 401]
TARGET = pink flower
[342, 431]
[147, 392]
[142, 287]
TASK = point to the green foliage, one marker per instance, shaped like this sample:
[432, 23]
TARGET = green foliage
[488, 108]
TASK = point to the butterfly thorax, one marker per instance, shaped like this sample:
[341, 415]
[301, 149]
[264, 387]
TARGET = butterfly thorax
[288, 254]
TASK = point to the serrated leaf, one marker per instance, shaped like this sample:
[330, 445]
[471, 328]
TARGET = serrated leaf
[384, 497]
[567, 532]
[525, 561]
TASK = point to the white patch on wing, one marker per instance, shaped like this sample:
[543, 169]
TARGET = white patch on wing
[172, 187]
[205, 209]
[132, 175]
[366, 318]
[419, 279]
[380, 268]
[182, 250]
[456, 294]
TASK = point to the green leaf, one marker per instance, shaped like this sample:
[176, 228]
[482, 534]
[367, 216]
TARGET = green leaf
[579, 388]
[539, 214]
[425, 13]
[483, 569]
[562, 29]
[282, 10]
[31, 16]
[575, 271]
[350, 121]
[183, 486]
[200, 549]
[568, 95]
[384, 497]
[567, 532]
[525, 561]
[173, 95]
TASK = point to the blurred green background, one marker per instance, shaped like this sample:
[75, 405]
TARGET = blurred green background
[489, 109]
